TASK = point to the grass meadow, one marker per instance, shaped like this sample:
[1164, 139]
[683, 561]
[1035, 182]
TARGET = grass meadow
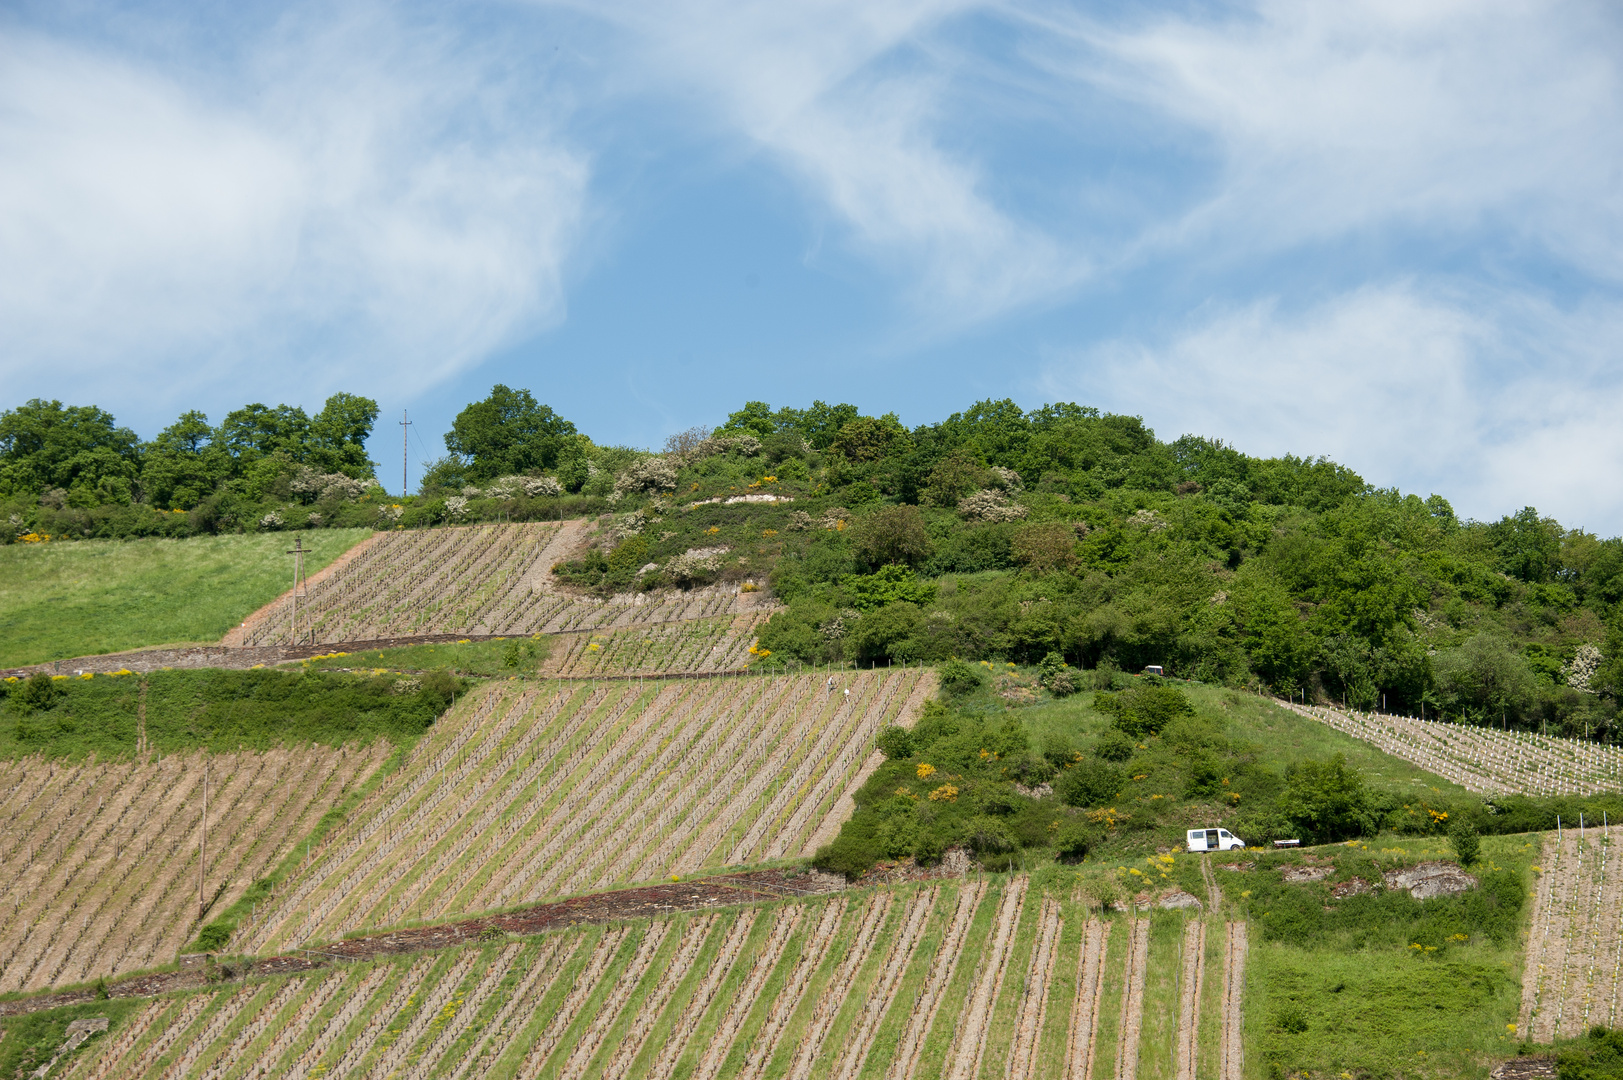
[98, 596]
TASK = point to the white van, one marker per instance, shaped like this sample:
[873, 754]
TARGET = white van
[1213, 840]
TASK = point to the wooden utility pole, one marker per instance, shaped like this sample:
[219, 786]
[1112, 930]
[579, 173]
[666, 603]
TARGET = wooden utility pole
[405, 426]
[203, 844]
[298, 552]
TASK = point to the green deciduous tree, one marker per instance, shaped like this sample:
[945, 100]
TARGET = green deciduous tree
[894, 534]
[45, 445]
[1327, 801]
[508, 433]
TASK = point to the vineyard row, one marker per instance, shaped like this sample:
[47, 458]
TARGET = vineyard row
[98, 862]
[969, 979]
[1485, 760]
[532, 790]
[476, 579]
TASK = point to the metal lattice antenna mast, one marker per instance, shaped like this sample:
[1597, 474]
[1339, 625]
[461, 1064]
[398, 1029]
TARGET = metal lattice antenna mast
[405, 425]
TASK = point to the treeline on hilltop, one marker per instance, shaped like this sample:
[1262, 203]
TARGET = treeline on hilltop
[1060, 536]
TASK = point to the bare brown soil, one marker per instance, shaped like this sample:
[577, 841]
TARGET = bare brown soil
[1571, 980]
[99, 867]
[1194, 977]
[1231, 1057]
[625, 904]
[1132, 1000]
[1081, 1039]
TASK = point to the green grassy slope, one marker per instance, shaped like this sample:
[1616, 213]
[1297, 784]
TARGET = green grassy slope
[1283, 737]
[75, 599]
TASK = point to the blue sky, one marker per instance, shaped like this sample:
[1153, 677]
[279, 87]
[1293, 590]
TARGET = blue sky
[1388, 232]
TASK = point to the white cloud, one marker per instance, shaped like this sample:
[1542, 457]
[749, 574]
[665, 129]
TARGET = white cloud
[1489, 400]
[849, 98]
[342, 209]
[1328, 119]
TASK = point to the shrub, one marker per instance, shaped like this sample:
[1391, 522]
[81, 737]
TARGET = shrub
[1046, 546]
[851, 853]
[989, 836]
[990, 506]
[1327, 801]
[894, 534]
[1091, 782]
[896, 742]
[1114, 746]
[1058, 750]
[959, 678]
[650, 474]
[1599, 1056]
[1466, 842]
[1073, 841]
[1144, 709]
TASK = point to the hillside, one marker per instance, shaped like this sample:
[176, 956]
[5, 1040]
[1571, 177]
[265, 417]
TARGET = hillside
[96, 596]
[813, 773]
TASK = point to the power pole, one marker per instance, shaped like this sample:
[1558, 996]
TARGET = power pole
[405, 424]
[298, 553]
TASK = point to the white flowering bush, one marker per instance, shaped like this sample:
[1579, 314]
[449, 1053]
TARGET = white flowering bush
[696, 564]
[313, 519]
[835, 519]
[456, 506]
[1148, 519]
[990, 505]
[272, 520]
[1007, 479]
[1583, 667]
[315, 484]
[649, 474]
[627, 525]
[391, 512]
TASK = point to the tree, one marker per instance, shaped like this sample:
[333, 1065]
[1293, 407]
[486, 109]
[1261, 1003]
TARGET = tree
[1327, 801]
[1485, 677]
[869, 438]
[44, 445]
[1529, 547]
[338, 436]
[1046, 546]
[508, 433]
[257, 431]
[894, 534]
[180, 466]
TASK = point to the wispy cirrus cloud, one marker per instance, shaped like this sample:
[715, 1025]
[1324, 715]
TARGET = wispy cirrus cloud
[1485, 397]
[1320, 122]
[854, 101]
[336, 212]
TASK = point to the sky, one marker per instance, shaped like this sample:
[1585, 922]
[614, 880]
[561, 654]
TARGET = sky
[1385, 231]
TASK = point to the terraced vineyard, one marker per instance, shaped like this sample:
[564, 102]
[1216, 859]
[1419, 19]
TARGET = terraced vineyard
[475, 579]
[98, 863]
[964, 979]
[698, 645]
[1483, 759]
[1575, 949]
[529, 790]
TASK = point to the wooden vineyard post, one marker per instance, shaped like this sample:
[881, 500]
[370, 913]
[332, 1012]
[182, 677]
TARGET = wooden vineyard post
[203, 843]
[298, 553]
